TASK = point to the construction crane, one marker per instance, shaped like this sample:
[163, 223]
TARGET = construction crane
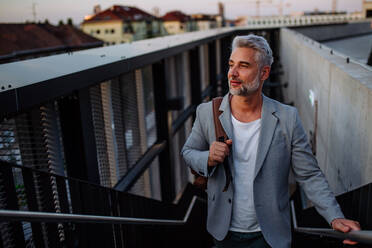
[34, 11]
[334, 6]
[257, 2]
[281, 5]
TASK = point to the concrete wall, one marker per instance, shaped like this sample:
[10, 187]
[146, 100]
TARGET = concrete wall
[336, 31]
[344, 94]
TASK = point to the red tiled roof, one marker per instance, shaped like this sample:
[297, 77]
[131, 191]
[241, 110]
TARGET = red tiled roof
[176, 16]
[118, 12]
[22, 37]
[70, 36]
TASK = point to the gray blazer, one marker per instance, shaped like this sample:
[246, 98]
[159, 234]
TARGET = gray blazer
[282, 146]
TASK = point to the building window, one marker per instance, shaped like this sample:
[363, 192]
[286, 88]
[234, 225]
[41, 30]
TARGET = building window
[369, 13]
[113, 43]
[112, 31]
[106, 31]
[98, 31]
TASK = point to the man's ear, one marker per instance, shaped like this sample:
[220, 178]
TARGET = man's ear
[265, 72]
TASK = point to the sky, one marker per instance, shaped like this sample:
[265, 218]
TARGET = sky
[53, 10]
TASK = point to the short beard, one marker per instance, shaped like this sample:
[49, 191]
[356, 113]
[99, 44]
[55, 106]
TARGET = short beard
[246, 89]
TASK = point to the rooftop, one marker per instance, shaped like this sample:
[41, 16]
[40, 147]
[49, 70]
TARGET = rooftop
[119, 12]
[176, 16]
[24, 38]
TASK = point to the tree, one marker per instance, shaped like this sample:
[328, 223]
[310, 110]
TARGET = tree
[60, 23]
[46, 21]
[69, 22]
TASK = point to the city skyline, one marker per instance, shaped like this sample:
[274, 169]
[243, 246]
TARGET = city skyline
[22, 10]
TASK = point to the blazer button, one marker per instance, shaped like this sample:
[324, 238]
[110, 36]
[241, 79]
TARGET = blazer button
[229, 200]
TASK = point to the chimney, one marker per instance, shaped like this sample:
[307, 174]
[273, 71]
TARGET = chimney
[96, 9]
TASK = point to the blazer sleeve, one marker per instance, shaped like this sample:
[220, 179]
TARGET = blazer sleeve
[195, 152]
[309, 176]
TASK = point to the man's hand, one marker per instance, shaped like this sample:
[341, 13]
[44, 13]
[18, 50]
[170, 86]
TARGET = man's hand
[218, 151]
[345, 226]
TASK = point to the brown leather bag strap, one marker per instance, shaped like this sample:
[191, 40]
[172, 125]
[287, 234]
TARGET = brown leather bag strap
[221, 137]
[220, 132]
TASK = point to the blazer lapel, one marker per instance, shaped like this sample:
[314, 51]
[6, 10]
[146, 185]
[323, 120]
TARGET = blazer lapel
[268, 124]
[225, 117]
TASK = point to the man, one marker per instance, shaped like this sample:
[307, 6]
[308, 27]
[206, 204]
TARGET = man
[266, 140]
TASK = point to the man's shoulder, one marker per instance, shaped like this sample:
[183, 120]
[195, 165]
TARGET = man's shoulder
[205, 107]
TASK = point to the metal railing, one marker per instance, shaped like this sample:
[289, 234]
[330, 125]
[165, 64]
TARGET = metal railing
[362, 236]
[13, 215]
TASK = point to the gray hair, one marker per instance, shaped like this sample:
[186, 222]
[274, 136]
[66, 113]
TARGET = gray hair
[264, 55]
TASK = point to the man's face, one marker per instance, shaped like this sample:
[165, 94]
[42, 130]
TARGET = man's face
[244, 73]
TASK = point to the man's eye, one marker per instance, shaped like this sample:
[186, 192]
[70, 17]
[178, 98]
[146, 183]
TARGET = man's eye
[230, 65]
[244, 66]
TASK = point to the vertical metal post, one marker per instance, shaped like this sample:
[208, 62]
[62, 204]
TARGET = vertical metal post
[212, 67]
[163, 128]
[225, 55]
[195, 77]
[78, 137]
[90, 151]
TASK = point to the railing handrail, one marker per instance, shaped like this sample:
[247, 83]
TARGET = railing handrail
[127, 181]
[362, 236]
[134, 172]
[16, 215]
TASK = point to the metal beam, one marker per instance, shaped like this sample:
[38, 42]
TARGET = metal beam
[11, 215]
[49, 77]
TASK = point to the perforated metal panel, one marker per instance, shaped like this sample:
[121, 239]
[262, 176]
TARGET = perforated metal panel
[33, 140]
[150, 129]
[117, 109]
[100, 135]
[176, 84]
[9, 149]
[109, 130]
[131, 125]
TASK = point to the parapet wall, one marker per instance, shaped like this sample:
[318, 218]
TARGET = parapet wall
[343, 93]
[336, 31]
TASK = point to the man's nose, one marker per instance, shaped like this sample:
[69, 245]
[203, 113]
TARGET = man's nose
[234, 71]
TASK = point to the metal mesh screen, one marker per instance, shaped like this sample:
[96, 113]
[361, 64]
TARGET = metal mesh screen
[150, 129]
[9, 149]
[100, 135]
[109, 131]
[131, 124]
[117, 109]
[178, 86]
[33, 140]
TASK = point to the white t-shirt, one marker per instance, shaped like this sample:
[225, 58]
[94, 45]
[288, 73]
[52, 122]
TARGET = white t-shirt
[244, 148]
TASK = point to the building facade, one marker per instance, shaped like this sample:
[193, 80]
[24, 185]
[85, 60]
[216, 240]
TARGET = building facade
[121, 24]
[205, 22]
[367, 8]
[176, 22]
